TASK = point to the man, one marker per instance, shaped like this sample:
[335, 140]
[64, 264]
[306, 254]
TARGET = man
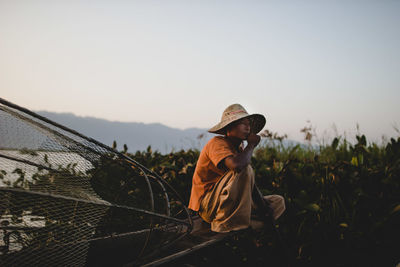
[223, 180]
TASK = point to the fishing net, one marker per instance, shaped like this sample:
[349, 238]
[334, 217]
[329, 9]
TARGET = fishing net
[68, 200]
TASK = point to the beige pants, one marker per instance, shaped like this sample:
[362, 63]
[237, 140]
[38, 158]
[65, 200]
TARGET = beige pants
[228, 205]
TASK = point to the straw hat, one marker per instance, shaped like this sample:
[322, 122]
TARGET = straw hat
[234, 113]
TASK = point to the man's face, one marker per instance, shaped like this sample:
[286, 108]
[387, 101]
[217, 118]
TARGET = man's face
[240, 129]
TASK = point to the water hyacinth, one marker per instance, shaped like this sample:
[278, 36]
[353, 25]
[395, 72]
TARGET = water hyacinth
[343, 202]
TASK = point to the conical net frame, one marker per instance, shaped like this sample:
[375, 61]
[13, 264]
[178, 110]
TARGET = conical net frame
[68, 199]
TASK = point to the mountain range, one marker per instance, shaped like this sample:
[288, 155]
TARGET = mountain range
[137, 136]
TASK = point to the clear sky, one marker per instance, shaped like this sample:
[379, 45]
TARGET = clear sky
[181, 63]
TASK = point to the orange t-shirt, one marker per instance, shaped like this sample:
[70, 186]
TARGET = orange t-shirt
[207, 173]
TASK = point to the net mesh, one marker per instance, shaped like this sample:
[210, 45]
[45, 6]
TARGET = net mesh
[68, 200]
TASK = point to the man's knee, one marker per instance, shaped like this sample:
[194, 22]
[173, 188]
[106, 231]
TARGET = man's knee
[279, 199]
[277, 203]
[275, 200]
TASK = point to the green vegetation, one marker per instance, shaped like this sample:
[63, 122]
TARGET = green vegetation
[342, 199]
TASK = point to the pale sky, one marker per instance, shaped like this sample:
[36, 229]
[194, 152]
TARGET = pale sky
[181, 63]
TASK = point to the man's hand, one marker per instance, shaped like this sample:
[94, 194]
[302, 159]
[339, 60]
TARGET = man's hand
[242, 159]
[253, 139]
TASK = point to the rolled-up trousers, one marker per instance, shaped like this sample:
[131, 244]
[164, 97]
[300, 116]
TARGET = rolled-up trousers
[227, 206]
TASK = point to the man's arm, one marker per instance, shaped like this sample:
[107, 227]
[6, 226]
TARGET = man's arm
[241, 160]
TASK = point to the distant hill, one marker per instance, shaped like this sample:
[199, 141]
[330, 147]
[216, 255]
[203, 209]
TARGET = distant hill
[137, 136]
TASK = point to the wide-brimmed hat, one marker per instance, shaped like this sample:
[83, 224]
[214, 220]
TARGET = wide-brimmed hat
[234, 113]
